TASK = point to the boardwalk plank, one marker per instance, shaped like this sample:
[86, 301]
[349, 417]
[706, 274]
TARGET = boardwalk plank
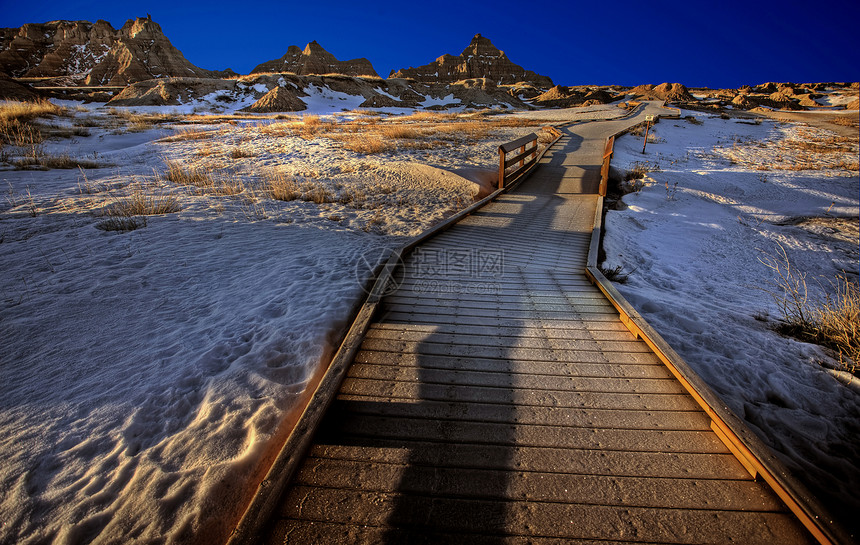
[502, 341]
[541, 416]
[612, 490]
[560, 520]
[501, 379]
[519, 367]
[512, 353]
[542, 398]
[592, 323]
[616, 334]
[521, 458]
[527, 435]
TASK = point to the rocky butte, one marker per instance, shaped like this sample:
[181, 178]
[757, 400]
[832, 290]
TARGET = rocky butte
[481, 59]
[315, 61]
[93, 53]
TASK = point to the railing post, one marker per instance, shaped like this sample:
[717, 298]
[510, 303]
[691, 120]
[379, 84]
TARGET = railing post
[501, 167]
[604, 169]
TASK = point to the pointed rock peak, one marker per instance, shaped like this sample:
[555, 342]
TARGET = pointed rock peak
[481, 46]
[314, 48]
[141, 25]
[481, 59]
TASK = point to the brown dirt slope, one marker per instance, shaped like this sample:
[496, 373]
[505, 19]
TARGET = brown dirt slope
[279, 99]
[671, 92]
[12, 90]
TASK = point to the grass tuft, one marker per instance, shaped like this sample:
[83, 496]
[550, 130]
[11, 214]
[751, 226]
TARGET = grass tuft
[239, 153]
[365, 144]
[282, 187]
[143, 203]
[193, 176]
[28, 111]
[122, 224]
[639, 170]
[833, 322]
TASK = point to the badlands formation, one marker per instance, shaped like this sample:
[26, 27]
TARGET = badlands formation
[138, 66]
[80, 52]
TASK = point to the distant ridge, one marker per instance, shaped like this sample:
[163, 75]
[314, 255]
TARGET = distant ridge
[93, 53]
[480, 59]
[314, 60]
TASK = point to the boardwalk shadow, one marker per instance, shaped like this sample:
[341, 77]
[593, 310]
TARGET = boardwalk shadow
[467, 296]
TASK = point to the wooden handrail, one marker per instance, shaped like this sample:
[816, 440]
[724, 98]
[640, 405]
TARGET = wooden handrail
[522, 154]
[750, 451]
[519, 142]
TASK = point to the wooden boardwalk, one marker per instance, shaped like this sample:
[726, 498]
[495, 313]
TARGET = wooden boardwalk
[498, 398]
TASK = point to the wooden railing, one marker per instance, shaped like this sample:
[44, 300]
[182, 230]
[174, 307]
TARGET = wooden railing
[750, 451]
[522, 152]
[604, 169]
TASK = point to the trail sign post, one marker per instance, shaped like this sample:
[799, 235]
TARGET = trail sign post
[648, 120]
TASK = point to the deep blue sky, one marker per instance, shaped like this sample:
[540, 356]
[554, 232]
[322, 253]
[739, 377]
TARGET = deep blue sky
[715, 44]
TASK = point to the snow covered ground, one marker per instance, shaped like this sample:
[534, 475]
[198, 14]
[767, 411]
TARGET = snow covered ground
[729, 193]
[145, 373]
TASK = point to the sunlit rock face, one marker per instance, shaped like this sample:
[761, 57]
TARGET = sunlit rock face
[93, 53]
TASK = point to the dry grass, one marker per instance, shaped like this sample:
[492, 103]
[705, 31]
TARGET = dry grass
[25, 138]
[375, 222]
[370, 134]
[316, 193]
[184, 135]
[193, 175]
[352, 196]
[845, 121]
[226, 188]
[206, 180]
[64, 132]
[122, 224]
[279, 129]
[282, 187]
[28, 111]
[836, 322]
[240, 152]
[804, 148]
[640, 169]
[141, 202]
[426, 116]
[312, 126]
[463, 130]
[65, 161]
[365, 144]
[545, 136]
[833, 321]
[23, 135]
[401, 132]
[135, 122]
[205, 150]
[86, 122]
